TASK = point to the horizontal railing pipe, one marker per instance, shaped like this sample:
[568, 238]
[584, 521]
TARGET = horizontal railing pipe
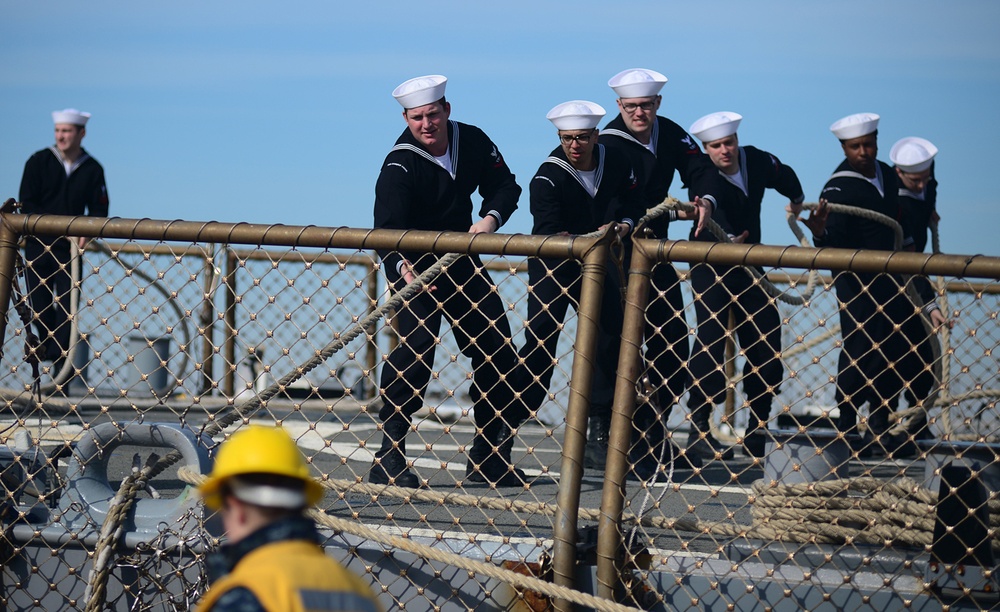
[303, 236]
[896, 262]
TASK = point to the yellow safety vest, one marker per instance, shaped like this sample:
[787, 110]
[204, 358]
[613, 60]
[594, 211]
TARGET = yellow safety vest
[295, 576]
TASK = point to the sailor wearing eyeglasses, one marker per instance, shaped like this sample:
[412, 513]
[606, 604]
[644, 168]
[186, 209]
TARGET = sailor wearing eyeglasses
[657, 148]
[582, 186]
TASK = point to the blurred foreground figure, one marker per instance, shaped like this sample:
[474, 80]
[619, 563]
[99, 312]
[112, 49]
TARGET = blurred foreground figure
[273, 559]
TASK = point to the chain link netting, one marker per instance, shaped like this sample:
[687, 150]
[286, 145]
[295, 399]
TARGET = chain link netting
[742, 466]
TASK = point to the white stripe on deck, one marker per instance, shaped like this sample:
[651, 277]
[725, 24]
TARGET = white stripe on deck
[353, 452]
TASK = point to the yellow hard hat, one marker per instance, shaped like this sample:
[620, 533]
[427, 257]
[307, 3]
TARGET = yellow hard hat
[258, 450]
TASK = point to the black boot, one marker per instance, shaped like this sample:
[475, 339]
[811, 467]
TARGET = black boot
[878, 430]
[653, 454]
[860, 444]
[658, 467]
[490, 459]
[755, 442]
[701, 444]
[757, 435]
[595, 456]
[389, 467]
[901, 443]
[500, 469]
[478, 453]
[647, 433]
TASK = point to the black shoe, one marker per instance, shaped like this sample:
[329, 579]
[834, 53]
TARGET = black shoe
[595, 455]
[755, 444]
[479, 452]
[861, 445]
[649, 468]
[391, 469]
[494, 467]
[496, 473]
[684, 460]
[707, 448]
[900, 446]
[499, 473]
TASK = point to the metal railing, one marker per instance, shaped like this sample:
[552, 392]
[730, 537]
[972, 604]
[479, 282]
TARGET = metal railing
[287, 293]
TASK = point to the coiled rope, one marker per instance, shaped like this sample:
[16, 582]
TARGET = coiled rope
[111, 532]
[864, 509]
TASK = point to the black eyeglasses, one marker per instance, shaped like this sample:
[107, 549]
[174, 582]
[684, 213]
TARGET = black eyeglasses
[630, 107]
[580, 138]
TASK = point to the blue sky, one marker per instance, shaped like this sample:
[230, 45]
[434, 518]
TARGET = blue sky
[281, 113]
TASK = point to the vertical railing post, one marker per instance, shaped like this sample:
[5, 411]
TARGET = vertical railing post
[208, 323]
[229, 343]
[610, 539]
[729, 409]
[8, 254]
[574, 444]
[371, 355]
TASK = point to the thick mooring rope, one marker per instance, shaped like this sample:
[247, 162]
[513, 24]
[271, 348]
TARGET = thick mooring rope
[899, 512]
[111, 532]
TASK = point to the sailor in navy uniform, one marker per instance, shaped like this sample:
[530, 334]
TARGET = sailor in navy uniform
[657, 148]
[581, 187]
[913, 160]
[60, 180]
[871, 305]
[732, 290]
[426, 183]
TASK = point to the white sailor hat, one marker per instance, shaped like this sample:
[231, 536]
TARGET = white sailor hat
[420, 91]
[913, 154]
[715, 126]
[70, 115]
[854, 126]
[576, 115]
[637, 83]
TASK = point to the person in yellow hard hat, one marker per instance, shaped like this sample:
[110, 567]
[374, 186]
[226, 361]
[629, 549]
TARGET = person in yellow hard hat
[273, 560]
